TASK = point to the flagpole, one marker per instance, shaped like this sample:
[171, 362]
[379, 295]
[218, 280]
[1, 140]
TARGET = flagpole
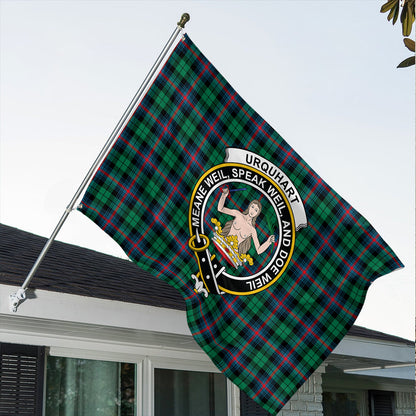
[15, 299]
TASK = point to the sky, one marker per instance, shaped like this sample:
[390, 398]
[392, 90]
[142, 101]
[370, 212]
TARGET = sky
[322, 73]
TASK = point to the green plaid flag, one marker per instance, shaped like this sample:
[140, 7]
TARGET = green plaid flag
[272, 263]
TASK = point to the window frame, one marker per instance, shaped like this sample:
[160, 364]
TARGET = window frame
[372, 394]
[97, 356]
[145, 366]
[151, 363]
[362, 395]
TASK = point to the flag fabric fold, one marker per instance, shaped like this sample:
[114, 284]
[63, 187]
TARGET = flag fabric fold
[201, 192]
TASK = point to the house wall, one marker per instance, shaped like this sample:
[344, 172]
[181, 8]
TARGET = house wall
[152, 337]
[404, 404]
[307, 401]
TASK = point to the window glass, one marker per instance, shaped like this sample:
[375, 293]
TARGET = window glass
[341, 404]
[190, 393]
[381, 403]
[78, 387]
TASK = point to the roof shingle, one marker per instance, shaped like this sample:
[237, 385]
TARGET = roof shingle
[79, 271]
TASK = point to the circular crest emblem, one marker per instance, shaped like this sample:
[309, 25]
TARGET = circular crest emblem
[243, 217]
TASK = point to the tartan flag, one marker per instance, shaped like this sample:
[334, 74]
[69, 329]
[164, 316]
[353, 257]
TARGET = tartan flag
[272, 263]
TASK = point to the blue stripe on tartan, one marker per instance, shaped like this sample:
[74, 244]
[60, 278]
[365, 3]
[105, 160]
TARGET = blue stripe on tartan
[270, 342]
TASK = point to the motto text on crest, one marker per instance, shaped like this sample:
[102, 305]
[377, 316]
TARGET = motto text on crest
[243, 168]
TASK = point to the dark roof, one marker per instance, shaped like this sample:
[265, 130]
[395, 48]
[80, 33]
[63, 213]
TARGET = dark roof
[80, 271]
[359, 331]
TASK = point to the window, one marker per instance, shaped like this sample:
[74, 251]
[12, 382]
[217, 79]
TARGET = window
[79, 387]
[21, 379]
[342, 404]
[249, 407]
[189, 393]
[74, 382]
[381, 403]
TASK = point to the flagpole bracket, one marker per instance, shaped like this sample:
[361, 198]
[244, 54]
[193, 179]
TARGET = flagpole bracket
[184, 20]
[15, 299]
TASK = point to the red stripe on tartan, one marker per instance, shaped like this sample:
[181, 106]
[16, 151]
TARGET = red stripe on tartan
[126, 189]
[161, 210]
[255, 133]
[260, 128]
[298, 161]
[156, 144]
[123, 234]
[297, 319]
[228, 351]
[171, 135]
[264, 387]
[235, 359]
[192, 157]
[325, 243]
[326, 308]
[264, 323]
[332, 298]
[337, 254]
[202, 62]
[102, 216]
[202, 141]
[197, 112]
[347, 212]
[288, 154]
[155, 168]
[165, 267]
[274, 311]
[208, 327]
[291, 352]
[184, 248]
[157, 215]
[328, 305]
[312, 190]
[375, 239]
[296, 346]
[134, 245]
[335, 196]
[153, 149]
[184, 98]
[256, 333]
[303, 165]
[109, 220]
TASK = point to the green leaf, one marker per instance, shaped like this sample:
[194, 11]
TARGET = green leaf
[394, 13]
[407, 62]
[407, 26]
[409, 43]
[403, 14]
[386, 7]
[407, 18]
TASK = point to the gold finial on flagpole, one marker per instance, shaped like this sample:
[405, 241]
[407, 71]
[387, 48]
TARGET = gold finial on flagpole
[184, 20]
